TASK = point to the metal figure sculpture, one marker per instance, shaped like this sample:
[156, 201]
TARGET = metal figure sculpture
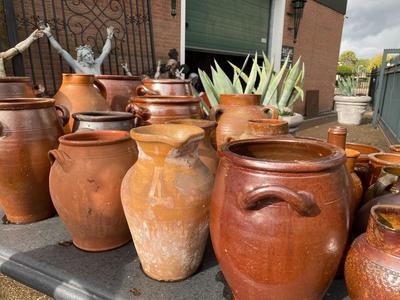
[85, 61]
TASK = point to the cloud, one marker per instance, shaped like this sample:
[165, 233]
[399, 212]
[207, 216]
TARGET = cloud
[371, 26]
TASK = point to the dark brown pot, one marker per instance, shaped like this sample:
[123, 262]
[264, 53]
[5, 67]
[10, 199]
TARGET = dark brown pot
[85, 182]
[233, 113]
[119, 89]
[207, 153]
[372, 269]
[352, 156]
[161, 109]
[103, 120]
[16, 87]
[29, 128]
[165, 87]
[261, 128]
[280, 217]
[379, 160]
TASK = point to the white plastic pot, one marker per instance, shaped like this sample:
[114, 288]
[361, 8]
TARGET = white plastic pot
[350, 109]
[293, 121]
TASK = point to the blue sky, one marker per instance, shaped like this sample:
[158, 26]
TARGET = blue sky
[371, 26]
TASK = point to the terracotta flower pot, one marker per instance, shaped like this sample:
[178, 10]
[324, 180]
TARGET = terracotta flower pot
[372, 269]
[16, 87]
[379, 160]
[78, 94]
[85, 183]
[29, 128]
[233, 113]
[280, 217]
[207, 153]
[166, 197]
[262, 128]
[119, 89]
[161, 109]
[103, 120]
[165, 87]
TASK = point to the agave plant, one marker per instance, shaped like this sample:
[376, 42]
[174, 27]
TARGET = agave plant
[347, 86]
[282, 89]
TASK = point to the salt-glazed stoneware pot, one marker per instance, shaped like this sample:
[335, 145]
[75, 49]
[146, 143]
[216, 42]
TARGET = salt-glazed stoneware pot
[78, 94]
[233, 113]
[85, 183]
[166, 197]
[207, 153]
[29, 128]
[379, 160]
[16, 87]
[165, 87]
[103, 120]
[372, 269]
[280, 217]
[119, 89]
[161, 109]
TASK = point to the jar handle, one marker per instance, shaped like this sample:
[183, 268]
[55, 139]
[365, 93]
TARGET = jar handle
[64, 114]
[142, 90]
[302, 202]
[62, 158]
[274, 111]
[141, 114]
[215, 113]
[101, 87]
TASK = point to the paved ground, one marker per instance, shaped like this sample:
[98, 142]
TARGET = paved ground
[365, 134]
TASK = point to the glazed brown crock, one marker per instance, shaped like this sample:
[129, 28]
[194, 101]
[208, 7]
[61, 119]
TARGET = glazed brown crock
[103, 120]
[261, 128]
[161, 109]
[378, 160]
[165, 87]
[280, 217]
[119, 89]
[372, 269]
[29, 128]
[85, 182]
[16, 87]
[357, 186]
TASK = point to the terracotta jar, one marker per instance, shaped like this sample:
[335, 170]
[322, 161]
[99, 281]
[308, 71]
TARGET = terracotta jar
[29, 128]
[207, 153]
[395, 148]
[119, 89]
[103, 120]
[166, 197]
[85, 182]
[261, 128]
[165, 87]
[161, 109]
[233, 113]
[16, 87]
[372, 269]
[337, 136]
[357, 186]
[379, 160]
[78, 93]
[280, 216]
[362, 164]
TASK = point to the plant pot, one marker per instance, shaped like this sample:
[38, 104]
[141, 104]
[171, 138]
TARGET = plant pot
[166, 197]
[29, 128]
[279, 217]
[165, 87]
[372, 269]
[351, 109]
[85, 183]
[233, 113]
[293, 121]
[78, 94]
[119, 89]
[207, 153]
[161, 109]
[103, 120]
[379, 160]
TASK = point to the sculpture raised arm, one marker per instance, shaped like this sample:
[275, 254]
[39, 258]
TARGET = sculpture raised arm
[107, 46]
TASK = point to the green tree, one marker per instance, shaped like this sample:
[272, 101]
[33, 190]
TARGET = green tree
[348, 58]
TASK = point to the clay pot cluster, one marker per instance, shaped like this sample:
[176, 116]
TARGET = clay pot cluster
[282, 211]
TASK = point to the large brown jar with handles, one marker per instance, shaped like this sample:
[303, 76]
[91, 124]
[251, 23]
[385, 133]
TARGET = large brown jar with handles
[280, 217]
[85, 183]
[166, 197]
[165, 87]
[372, 269]
[233, 113]
[29, 128]
[79, 94]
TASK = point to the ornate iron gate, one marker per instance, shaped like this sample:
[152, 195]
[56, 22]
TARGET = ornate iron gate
[76, 22]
